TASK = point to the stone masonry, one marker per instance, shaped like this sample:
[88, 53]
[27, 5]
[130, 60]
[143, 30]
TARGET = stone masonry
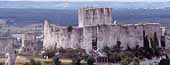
[29, 44]
[95, 30]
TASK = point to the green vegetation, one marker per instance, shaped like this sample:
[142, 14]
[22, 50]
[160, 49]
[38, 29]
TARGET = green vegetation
[56, 61]
[165, 61]
[115, 53]
[90, 60]
[163, 41]
[69, 28]
[151, 48]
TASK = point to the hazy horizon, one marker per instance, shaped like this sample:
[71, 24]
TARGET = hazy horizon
[93, 0]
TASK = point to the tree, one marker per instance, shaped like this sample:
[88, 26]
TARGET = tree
[145, 41]
[38, 63]
[137, 51]
[69, 28]
[90, 61]
[128, 48]
[163, 44]
[108, 52]
[126, 60]
[117, 47]
[76, 60]
[77, 55]
[155, 47]
[32, 62]
[164, 62]
[136, 60]
[56, 60]
[156, 40]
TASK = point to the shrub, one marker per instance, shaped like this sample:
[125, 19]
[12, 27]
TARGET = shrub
[163, 44]
[90, 61]
[69, 28]
[126, 60]
[164, 62]
[32, 62]
[56, 60]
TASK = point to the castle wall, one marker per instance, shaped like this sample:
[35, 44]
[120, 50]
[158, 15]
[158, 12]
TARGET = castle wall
[108, 35]
[59, 36]
[68, 39]
[167, 38]
[30, 44]
[7, 45]
[105, 35]
[95, 26]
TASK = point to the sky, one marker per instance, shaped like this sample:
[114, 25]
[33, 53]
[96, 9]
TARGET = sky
[97, 0]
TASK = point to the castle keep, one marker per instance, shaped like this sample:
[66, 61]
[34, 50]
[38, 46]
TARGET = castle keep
[95, 30]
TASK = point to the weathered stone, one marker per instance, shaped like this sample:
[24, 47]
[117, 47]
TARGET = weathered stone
[94, 16]
[10, 59]
[98, 32]
[7, 48]
[7, 45]
[30, 45]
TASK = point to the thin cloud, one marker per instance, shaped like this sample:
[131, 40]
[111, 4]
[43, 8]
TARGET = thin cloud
[97, 0]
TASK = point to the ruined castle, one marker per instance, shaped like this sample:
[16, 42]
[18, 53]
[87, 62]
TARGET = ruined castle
[96, 30]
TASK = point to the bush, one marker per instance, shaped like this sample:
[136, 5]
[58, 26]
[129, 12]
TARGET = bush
[49, 53]
[33, 62]
[126, 60]
[163, 44]
[164, 62]
[90, 61]
[69, 28]
[56, 60]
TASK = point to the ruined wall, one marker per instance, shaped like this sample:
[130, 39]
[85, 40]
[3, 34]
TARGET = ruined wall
[94, 16]
[105, 35]
[68, 39]
[167, 38]
[59, 36]
[7, 45]
[95, 25]
[108, 35]
[30, 45]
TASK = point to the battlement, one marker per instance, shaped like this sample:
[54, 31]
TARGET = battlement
[94, 16]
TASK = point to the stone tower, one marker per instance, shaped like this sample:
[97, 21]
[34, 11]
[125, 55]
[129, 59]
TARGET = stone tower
[94, 16]
[46, 33]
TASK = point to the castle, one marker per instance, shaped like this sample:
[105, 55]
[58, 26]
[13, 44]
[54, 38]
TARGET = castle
[96, 30]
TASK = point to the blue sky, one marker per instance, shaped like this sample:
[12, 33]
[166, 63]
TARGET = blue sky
[97, 0]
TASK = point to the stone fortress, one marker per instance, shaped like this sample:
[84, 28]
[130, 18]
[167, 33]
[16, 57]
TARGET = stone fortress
[96, 30]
